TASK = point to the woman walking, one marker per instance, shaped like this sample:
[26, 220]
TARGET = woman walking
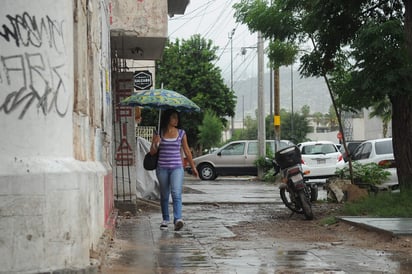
[170, 170]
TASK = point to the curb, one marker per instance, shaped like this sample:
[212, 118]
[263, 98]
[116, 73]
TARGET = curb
[98, 255]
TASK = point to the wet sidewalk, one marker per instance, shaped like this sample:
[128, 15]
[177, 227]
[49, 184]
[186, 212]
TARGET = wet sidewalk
[393, 226]
[207, 244]
[215, 192]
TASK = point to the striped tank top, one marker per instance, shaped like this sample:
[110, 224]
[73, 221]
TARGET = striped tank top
[170, 152]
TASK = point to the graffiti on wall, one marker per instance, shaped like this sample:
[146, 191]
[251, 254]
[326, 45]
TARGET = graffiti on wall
[32, 65]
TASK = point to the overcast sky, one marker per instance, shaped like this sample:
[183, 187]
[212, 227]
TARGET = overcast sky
[213, 19]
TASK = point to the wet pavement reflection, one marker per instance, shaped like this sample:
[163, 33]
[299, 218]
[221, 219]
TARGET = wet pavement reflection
[206, 243]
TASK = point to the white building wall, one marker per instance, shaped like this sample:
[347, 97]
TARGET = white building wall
[364, 128]
[369, 128]
[324, 136]
[55, 133]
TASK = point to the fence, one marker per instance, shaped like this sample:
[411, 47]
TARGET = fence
[145, 132]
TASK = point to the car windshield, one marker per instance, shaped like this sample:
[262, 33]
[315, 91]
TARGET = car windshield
[384, 147]
[234, 149]
[318, 149]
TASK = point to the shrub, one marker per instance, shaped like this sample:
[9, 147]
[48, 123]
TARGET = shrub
[384, 204]
[267, 165]
[370, 173]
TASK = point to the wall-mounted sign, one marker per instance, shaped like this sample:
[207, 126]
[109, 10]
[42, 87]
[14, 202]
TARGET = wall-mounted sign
[143, 80]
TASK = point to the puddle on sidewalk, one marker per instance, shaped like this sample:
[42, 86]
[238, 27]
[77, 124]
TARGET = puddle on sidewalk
[206, 245]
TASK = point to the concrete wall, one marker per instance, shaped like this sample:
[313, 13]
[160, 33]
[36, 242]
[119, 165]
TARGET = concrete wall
[55, 120]
[369, 128]
[362, 129]
[138, 28]
[324, 136]
[141, 18]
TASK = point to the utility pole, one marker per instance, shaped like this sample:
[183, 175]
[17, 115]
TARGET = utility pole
[271, 92]
[276, 118]
[291, 95]
[271, 99]
[261, 101]
[231, 77]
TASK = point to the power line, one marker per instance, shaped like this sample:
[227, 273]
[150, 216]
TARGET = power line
[227, 44]
[223, 19]
[192, 15]
[252, 58]
[203, 15]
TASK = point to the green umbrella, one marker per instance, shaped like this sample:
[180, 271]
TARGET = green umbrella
[160, 99]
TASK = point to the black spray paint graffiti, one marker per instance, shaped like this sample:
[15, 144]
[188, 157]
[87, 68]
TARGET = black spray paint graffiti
[32, 82]
[26, 30]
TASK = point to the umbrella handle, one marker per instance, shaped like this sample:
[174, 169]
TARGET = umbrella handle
[158, 123]
[156, 133]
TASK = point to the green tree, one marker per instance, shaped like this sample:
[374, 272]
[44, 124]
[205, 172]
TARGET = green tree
[305, 110]
[331, 119]
[188, 67]
[210, 131]
[375, 35]
[251, 128]
[318, 118]
[238, 134]
[300, 128]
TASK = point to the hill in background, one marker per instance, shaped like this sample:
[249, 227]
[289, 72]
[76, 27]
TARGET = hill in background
[306, 91]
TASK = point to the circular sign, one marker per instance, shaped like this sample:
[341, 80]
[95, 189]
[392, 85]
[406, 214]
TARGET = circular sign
[143, 80]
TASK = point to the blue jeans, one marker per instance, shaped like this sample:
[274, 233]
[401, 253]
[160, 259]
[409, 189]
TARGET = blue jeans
[170, 181]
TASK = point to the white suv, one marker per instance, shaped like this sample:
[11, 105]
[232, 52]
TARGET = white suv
[321, 158]
[379, 151]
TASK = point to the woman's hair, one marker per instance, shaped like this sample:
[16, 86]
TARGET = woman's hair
[164, 121]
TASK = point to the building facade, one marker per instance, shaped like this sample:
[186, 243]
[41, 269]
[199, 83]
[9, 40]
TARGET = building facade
[58, 62]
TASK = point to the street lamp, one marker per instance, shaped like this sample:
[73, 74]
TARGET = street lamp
[261, 107]
[243, 50]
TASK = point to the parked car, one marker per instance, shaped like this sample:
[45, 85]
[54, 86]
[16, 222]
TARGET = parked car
[236, 158]
[339, 146]
[321, 158]
[351, 145]
[379, 151]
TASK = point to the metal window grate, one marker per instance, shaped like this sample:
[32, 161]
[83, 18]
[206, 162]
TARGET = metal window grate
[145, 132]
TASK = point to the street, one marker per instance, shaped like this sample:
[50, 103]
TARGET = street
[241, 226]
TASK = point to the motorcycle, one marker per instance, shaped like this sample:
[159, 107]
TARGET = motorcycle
[296, 193]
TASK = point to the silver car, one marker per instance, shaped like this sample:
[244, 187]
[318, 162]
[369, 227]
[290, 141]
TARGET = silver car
[236, 158]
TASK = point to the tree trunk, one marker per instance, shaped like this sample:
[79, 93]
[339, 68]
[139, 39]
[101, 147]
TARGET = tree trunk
[408, 25]
[402, 138]
[402, 118]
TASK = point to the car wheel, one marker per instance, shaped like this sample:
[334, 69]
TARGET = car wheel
[207, 172]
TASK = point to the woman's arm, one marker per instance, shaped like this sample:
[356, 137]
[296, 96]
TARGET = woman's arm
[154, 147]
[189, 157]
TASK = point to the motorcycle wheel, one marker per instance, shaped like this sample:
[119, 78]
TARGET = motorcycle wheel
[289, 203]
[306, 207]
[313, 193]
